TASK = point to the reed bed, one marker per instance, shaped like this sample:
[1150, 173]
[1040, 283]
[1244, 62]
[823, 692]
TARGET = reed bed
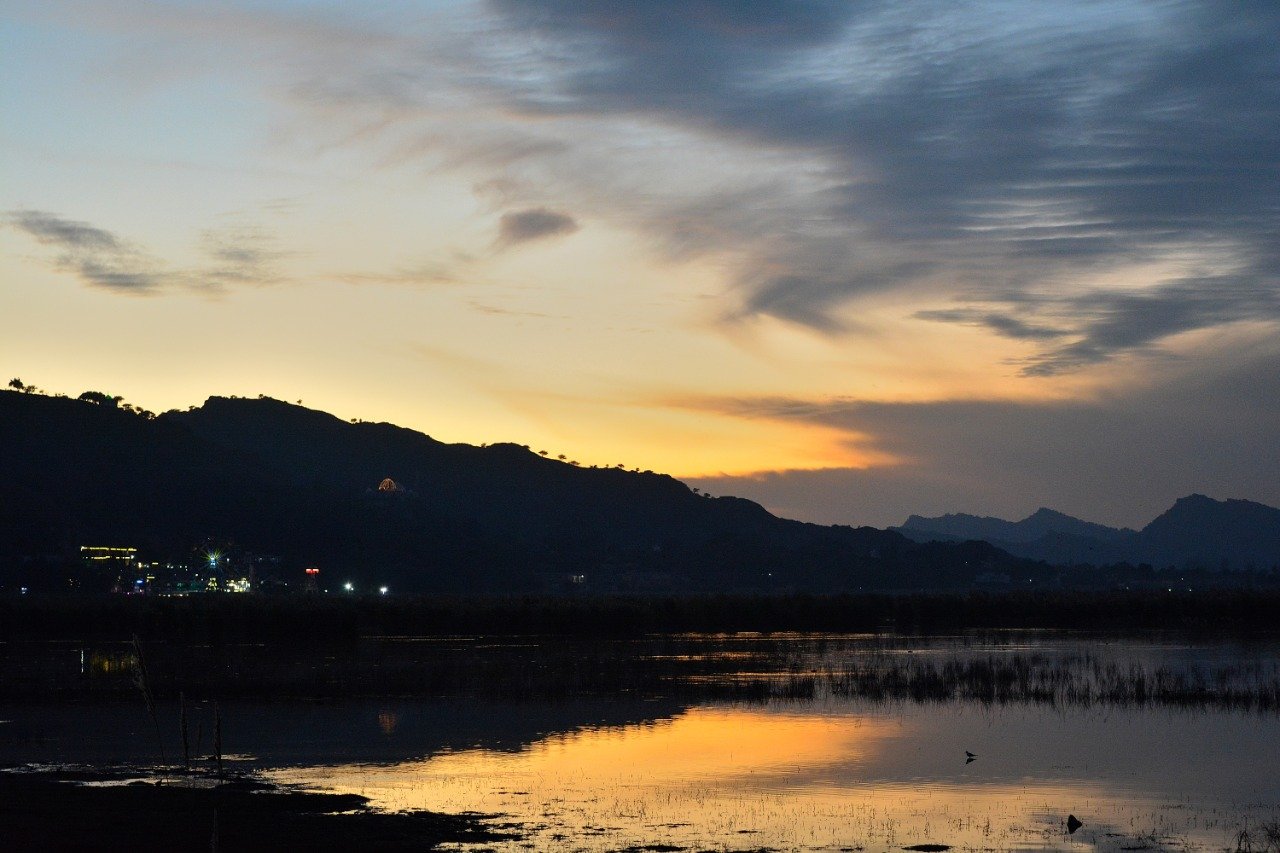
[1054, 669]
[1077, 680]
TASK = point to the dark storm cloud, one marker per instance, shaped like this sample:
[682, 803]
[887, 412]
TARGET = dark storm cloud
[534, 224]
[1021, 149]
[1119, 459]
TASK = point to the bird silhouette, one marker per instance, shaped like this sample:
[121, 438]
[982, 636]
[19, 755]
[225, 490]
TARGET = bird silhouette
[969, 757]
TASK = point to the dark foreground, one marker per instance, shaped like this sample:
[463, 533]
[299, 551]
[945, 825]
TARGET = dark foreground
[216, 619]
[55, 810]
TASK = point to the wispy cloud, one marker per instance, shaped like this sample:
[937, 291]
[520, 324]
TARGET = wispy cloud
[1095, 326]
[1002, 324]
[236, 255]
[1026, 150]
[98, 257]
[828, 151]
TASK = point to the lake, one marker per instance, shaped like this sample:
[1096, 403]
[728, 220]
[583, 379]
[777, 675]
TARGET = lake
[750, 742]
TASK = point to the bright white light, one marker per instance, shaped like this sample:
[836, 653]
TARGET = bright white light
[348, 586]
[382, 589]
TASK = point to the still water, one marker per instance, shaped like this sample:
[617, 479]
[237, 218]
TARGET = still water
[818, 769]
[838, 775]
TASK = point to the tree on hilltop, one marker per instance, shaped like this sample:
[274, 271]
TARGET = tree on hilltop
[101, 399]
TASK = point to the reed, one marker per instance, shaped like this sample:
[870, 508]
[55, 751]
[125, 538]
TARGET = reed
[142, 681]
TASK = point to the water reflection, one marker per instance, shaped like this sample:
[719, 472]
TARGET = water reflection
[719, 742]
[838, 775]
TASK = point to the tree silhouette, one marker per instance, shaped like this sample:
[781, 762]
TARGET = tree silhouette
[98, 398]
[16, 384]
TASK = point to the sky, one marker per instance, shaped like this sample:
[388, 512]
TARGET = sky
[851, 260]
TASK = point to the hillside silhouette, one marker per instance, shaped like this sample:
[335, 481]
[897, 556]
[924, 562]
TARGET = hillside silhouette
[303, 485]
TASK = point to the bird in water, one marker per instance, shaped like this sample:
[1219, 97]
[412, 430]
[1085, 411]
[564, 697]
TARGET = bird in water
[1073, 823]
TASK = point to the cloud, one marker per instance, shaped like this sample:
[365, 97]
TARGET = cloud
[537, 223]
[238, 255]
[52, 230]
[1004, 160]
[1002, 324]
[1027, 150]
[235, 255]
[96, 256]
[1104, 323]
[1120, 458]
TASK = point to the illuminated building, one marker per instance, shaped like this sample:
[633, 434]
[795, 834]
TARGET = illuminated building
[108, 555]
[107, 568]
[238, 585]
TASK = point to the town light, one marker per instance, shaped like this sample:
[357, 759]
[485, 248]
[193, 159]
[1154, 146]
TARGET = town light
[382, 589]
[348, 586]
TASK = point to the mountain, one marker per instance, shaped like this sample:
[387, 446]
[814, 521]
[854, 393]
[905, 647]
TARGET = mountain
[1039, 524]
[1199, 529]
[1196, 532]
[303, 486]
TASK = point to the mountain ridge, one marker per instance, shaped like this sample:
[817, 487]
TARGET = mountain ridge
[1196, 530]
[277, 478]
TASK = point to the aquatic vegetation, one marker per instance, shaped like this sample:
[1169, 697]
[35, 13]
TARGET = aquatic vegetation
[1264, 839]
[1080, 679]
[988, 668]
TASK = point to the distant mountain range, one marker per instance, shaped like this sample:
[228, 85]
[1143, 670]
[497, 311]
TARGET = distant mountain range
[380, 504]
[1197, 531]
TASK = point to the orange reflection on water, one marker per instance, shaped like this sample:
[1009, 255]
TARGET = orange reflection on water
[772, 777]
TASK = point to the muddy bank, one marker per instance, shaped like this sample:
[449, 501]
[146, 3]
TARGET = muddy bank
[120, 810]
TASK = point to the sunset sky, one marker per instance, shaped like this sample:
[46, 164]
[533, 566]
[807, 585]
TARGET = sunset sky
[852, 260]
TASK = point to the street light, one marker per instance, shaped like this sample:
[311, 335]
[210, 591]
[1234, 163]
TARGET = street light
[348, 586]
[382, 589]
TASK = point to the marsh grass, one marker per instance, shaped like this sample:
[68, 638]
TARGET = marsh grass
[1038, 668]
[142, 681]
[1264, 839]
[1078, 680]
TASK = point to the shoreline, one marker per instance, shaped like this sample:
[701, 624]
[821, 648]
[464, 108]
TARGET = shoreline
[214, 619]
[139, 809]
